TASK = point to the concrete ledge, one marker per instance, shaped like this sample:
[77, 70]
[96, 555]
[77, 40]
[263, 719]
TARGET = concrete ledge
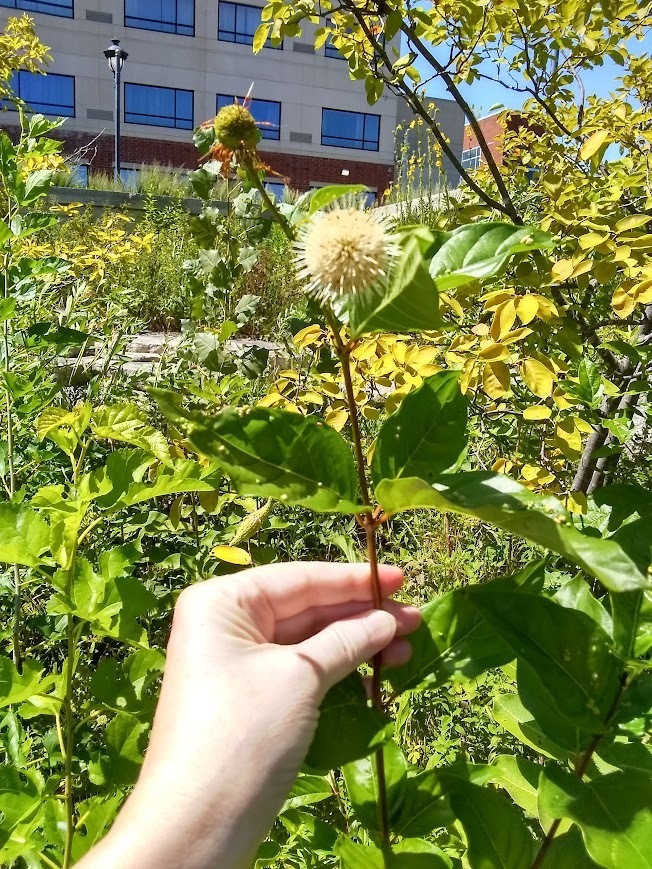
[100, 199]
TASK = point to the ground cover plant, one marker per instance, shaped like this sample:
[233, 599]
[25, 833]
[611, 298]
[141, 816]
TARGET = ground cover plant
[518, 734]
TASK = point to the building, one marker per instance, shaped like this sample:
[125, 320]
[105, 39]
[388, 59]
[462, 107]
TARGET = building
[494, 127]
[186, 59]
[450, 120]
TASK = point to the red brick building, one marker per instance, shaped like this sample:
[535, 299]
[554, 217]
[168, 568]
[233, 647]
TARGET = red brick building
[493, 128]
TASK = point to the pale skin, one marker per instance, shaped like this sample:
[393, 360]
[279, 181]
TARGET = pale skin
[250, 659]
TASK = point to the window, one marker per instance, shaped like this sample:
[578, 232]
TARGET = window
[129, 177]
[471, 158]
[167, 16]
[238, 22]
[158, 106]
[278, 188]
[331, 51]
[266, 113]
[79, 175]
[350, 129]
[48, 7]
[50, 94]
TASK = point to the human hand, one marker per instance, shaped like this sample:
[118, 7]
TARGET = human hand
[249, 660]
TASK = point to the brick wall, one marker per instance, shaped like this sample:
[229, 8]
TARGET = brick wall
[300, 170]
[493, 131]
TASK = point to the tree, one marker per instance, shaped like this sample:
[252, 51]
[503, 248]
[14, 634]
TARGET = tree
[557, 358]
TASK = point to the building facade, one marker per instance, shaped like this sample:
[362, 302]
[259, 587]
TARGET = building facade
[494, 128]
[186, 59]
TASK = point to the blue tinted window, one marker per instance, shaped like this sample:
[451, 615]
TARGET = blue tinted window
[331, 51]
[129, 177]
[238, 22]
[167, 16]
[276, 187]
[48, 7]
[48, 94]
[267, 114]
[158, 107]
[79, 175]
[350, 129]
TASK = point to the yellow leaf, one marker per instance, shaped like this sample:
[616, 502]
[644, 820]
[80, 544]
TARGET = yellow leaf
[537, 412]
[562, 270]
[632, 222]
[429, 370]
[622, 303]
[593, 144]
[311, 397]
[503, 319]
[592, 239]
[270, 400]
[231, 554]
[337, 419]
[527, 307]
[496, 298]
[481, 329]
[306, 337]
[365, 350]
[495, 379]
[468, 379]
[370, 412]
[538, 377]
[393, 401]
[604, 270]
[516, 335]
[290, 374]
[492, 352]
[547, 308]
[576, 502]
[502, 466]
[568, 439]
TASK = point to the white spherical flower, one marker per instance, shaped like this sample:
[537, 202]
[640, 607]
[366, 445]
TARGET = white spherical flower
[344, 252]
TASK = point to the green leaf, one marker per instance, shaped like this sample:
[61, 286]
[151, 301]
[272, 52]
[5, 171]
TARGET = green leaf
[550, 713]
[568, 852]
[125, 739]
[306, 790]
[323, 196]
[427, 435]
[568, 651]
[479, 251]
[632, 622]
[409, 300]
[121, 482]
[96, 816]
[417, 854]
[7, 309]
[362, 786]
[624, 755]
[125, 685]
[20, 798]
[576, 595]
[354, 855]
[126, 423]
[497, 836]
[348, 727]
[24, 535]
[17, 687]
[510, 713]
[498, 499]
[519, 777]
[37, 184]
[452, 643]
[274, 454]
[110, 600]
[318, 835]
[424, 806]
[614, 813]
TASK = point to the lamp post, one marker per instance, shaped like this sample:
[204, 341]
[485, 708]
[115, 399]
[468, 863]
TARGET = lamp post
[116, 57]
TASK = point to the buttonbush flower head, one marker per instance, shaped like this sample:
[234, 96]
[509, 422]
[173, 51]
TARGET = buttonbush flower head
[344, 252]
[235, 127]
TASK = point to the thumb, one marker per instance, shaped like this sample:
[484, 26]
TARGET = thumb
[341, 647]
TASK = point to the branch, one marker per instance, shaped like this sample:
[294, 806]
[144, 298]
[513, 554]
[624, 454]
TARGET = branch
[508, 206]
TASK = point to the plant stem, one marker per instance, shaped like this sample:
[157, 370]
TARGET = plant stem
[370, 524]
[246, 161]
[16, 653]
[580, 769]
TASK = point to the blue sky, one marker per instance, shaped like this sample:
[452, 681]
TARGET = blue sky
[483, 95]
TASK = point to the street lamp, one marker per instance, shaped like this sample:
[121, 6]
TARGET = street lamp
[116, 57]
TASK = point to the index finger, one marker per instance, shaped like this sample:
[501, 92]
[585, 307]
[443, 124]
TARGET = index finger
[291, 588]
